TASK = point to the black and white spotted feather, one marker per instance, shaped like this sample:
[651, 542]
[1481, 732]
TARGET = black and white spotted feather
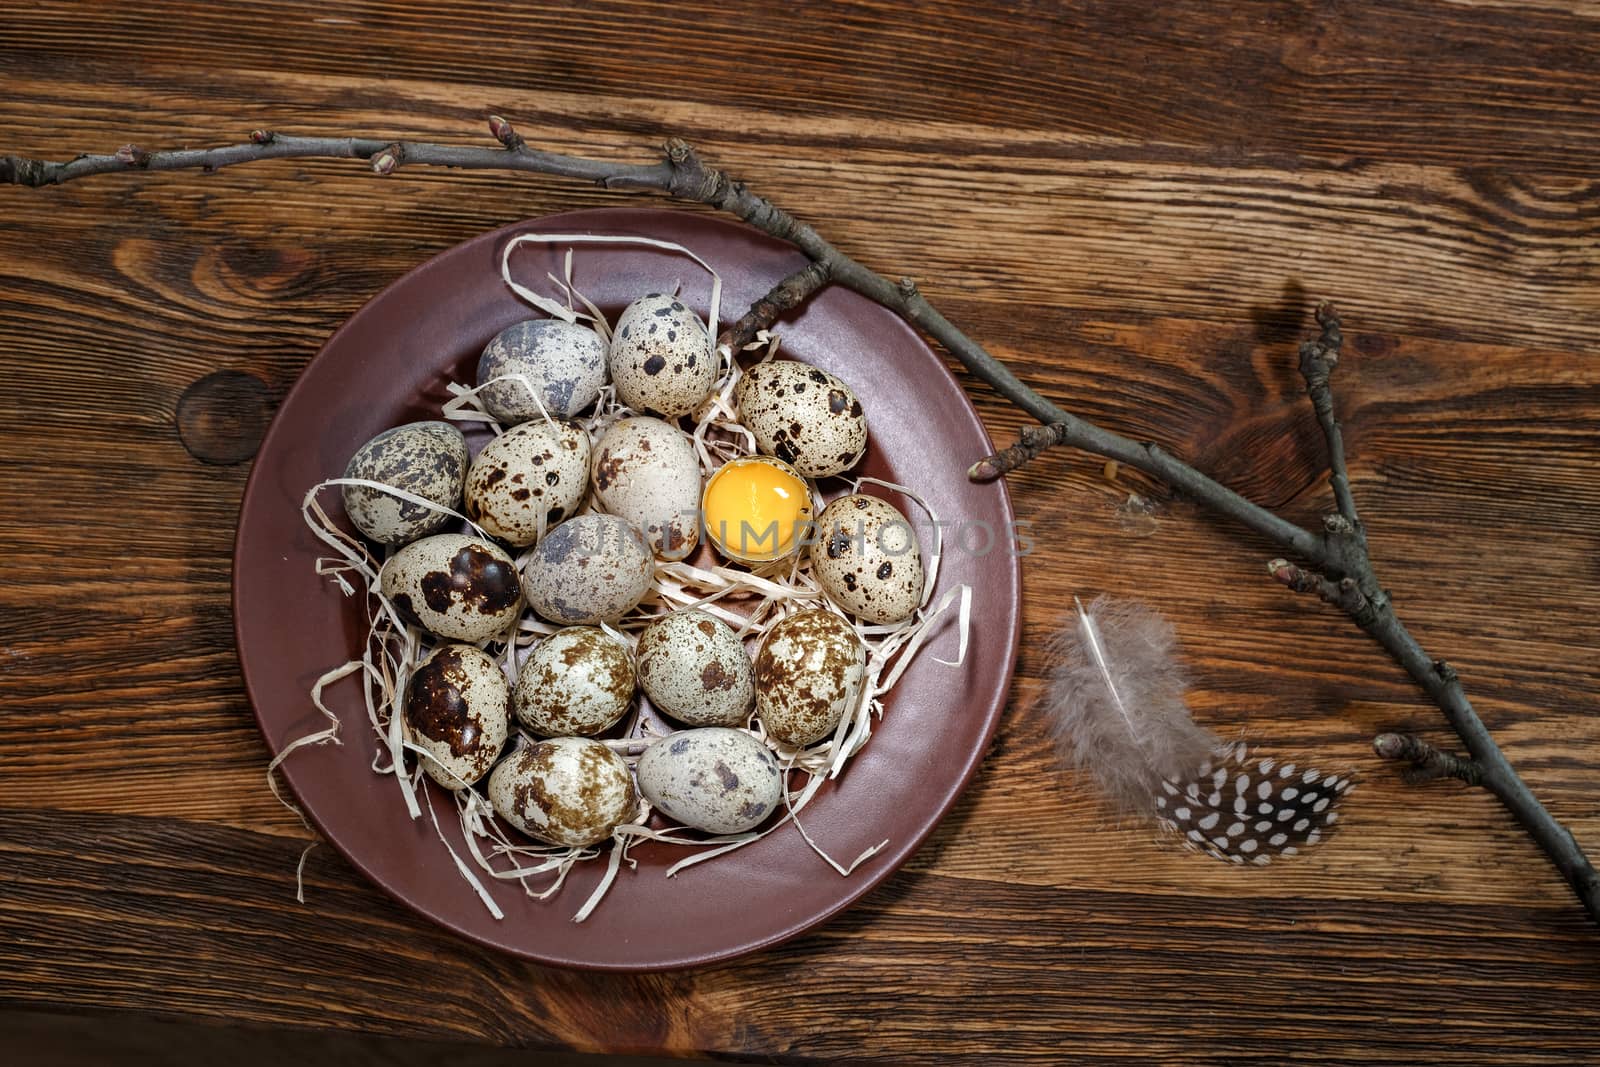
[1116, 704]
[1247, 810]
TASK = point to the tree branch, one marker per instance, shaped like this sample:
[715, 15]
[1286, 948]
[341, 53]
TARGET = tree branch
[1032, 441]
[1358, 593]
[1427, 762]
[1497, 774]
[1317, 360]
[1342, 571]
[788, 294]
[265, 144]
[1344, 594]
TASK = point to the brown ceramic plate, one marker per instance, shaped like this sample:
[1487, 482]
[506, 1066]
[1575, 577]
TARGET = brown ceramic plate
[389, 364]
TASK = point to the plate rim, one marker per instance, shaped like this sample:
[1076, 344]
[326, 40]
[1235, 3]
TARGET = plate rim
[638, 218]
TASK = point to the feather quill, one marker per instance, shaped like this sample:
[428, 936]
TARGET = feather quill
[1117, 709]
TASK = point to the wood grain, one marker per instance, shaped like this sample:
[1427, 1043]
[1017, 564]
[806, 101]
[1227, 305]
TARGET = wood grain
[1135, 204]
[132, 1040]
[1254, 980]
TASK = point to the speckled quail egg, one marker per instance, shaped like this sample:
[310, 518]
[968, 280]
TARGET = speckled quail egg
[695, 669]
[456, 710]
[803, 415]
[592, 568]
[528, 479]
[563, 361]
[715, 779]
[867, 559]
[458, 587]
[577, 682]
[566, 791]
[647, 472]
[426, 459]
[809, 674]
[661, 358]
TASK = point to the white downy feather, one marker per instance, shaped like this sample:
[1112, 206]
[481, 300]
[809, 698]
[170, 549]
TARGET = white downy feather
[1116, 703]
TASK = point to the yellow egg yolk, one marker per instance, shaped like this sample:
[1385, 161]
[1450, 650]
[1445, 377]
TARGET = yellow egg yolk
[756, 509]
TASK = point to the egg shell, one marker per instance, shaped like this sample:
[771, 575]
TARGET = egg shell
[809, 674]
[457, 587]
[565, 791]
[456, 709]
[528, 479]
[563, 361]
[803, 415]
[695, 669]
[576, 682]
[647, 472]
[660, 357]
[592, 568]
[426, 459]
[715, 779]
[867, 559]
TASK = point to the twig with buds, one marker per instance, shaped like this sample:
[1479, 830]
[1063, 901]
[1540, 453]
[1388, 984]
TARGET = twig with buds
[1427, 761]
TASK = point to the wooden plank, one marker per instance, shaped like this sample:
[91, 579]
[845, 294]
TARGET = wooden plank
[165, 916]
[1072, 223]
[1410, 81]
[133, 1040]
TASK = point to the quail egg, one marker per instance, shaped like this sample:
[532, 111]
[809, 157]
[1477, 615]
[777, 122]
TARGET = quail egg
[809, 674]
[867, 559]
[528, 479]
[647, 472]
[695, 669]
[455, 710]
[457, 587]
[564, 362]
[593, 568]
[566, 791]
[426, 459]
[719, 780]
[661, 358]
[577, 682]
[803, 415]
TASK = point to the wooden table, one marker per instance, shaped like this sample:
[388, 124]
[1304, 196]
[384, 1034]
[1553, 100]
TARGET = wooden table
[1134, 203]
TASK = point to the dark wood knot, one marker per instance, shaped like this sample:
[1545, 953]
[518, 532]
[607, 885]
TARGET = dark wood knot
[223, 416]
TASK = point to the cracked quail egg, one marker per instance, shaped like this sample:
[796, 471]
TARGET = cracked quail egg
[564, 362]
[867, 559]
[566, 791]
[455, 710]
[757, 509]
[695, 669]
[809, 674]
[647, 472]
[426, 459]
[803, 415]
[577, 682]
[592, 568]
[454, 586]
[528, 479]
[661, 358]
[715, 779]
